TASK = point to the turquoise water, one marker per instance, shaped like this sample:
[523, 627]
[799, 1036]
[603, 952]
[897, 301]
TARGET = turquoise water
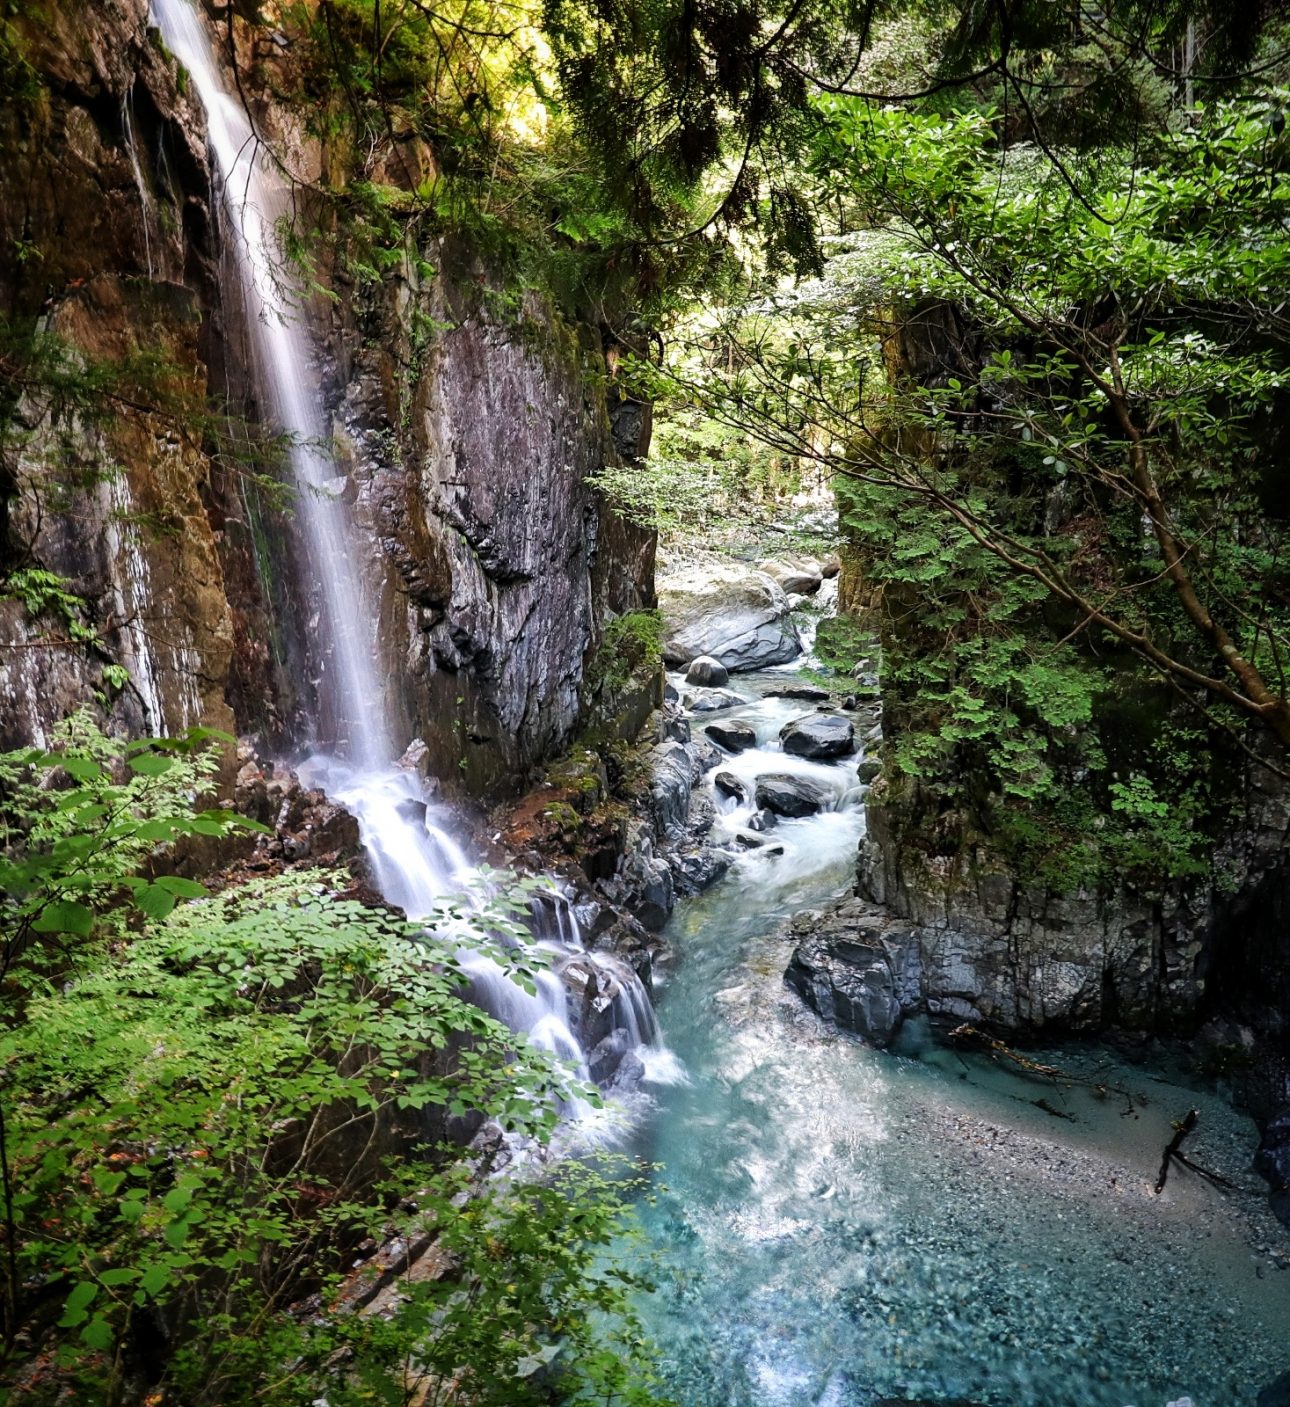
[841, 1225]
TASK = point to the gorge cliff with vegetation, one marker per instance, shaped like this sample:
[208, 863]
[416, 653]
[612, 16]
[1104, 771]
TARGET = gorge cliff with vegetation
[511, 515]
[150, 548]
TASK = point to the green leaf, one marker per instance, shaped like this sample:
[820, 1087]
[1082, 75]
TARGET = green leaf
[182, 888]
[155, 901]
[77, 1304]
[176, 1233]
[121, 1276]
[154, 1279]
[98, 1334]
[65, 916]
[151, 764]
[177, 1199]
[84, 769]
[107, 1181]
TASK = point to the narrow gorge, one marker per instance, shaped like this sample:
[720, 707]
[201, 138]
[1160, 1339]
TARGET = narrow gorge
[642, 702]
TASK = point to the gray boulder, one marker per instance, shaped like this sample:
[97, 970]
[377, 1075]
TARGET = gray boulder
[672, 779]
[787, 795]
[755, 842]
[656, 893]
[819, 735]
[868, 770]
[762, 821]
[733, 734]
[695, 873]
[711, 700]
[849, 983]
[796, 576]
[729, 785]
[731, 614]
[810, 693]
[605, 1061]
[707, 672]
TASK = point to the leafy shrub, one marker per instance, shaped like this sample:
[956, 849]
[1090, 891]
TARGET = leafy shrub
[208, 1107]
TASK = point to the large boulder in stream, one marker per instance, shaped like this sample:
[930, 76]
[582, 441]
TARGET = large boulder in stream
[819, 735]
[795, 576]
[732, 614]
[788, 795]
[707, 673]
[605, 995]
[850, 983]
[727, 784]
[734, 734]
[713, 700]
[807, 693]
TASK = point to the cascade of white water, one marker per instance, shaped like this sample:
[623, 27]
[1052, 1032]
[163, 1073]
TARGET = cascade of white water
[414, 859]
[145, 195]
[257, 198]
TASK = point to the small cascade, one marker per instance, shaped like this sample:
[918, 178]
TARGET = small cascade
[146, 201]
[613, 1005]
[415, 861]
[131, 594]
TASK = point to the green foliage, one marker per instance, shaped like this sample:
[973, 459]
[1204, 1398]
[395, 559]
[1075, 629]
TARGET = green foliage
[630, 646]
[210, 1103]
[700, 479]
[19, 80]
[842, 642]
[79, 828]
[448, 127]
[46, 593]
[1048, 407]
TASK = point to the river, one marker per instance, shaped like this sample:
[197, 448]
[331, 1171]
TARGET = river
[839, 1226]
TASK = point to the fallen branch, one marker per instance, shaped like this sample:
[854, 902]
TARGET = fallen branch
[1051, 1109]
[1174, 1154]
[1213, 1177]
[1181, 1129]
[1034, 1067]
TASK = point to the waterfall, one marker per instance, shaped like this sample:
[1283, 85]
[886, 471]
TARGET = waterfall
[145, 194]
[414, 859]
[257, 198]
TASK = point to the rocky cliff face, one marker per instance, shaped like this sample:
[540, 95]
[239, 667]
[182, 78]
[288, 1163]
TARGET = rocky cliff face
[984, 934]
[110, 271]
[498, 564]
[988, 948]
[464, 459]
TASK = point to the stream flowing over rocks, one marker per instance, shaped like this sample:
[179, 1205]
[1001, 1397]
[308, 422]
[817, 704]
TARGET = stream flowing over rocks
[847, 1226]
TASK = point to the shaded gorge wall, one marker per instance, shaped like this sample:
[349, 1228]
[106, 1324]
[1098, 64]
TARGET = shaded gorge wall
[466, 418]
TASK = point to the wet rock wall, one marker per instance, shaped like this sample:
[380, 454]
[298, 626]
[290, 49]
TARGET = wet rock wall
[462, 452]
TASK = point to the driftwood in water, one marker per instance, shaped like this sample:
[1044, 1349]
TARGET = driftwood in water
[1181, 1129]
[999, 1048]
[1173, 1154]
[1056, 1113]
